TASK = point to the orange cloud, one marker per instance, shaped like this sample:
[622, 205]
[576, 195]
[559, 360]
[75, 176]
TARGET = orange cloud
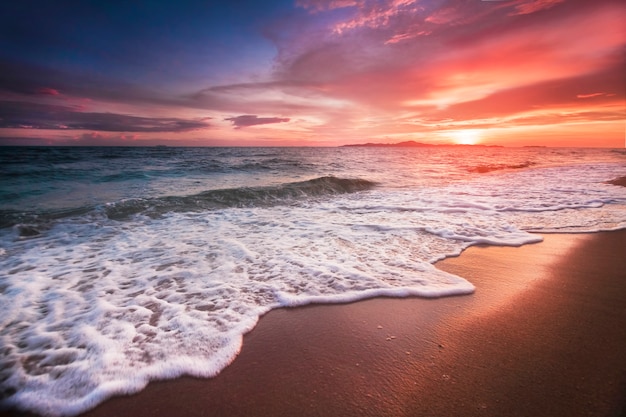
[528, 7]
[489, 67]
[591, 95]
[404, 71]
[386, 70]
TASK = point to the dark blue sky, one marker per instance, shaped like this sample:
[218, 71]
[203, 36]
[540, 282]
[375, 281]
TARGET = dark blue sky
[142, 42]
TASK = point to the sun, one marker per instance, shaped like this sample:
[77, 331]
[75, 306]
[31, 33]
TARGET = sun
[466, 136]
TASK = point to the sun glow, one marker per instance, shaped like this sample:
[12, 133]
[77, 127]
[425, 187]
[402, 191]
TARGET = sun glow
[466, 136]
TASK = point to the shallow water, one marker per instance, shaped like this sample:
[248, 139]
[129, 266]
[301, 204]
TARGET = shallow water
[122, 265]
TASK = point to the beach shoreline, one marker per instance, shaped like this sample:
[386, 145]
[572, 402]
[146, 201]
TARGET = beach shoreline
[542, 335]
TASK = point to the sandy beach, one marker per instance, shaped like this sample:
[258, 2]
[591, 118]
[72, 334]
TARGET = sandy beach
[543, 335]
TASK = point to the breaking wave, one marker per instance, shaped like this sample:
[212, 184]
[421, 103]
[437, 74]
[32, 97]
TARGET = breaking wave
[29, 223]
[238, 197]
[483, 169]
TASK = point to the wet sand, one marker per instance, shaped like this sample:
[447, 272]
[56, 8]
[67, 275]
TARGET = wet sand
[543, 335]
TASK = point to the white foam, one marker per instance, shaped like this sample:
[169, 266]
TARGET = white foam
[95, 308]
[98, 309]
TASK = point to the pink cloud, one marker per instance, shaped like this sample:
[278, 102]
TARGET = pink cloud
[528, 7]
[324, 5]
[100, 139]
[89, 136]
[516, 56]
[253, 120]
[406, 36]
[375, 69]
[373, 14]
[590, 95]
[443, 16]
[48, 91]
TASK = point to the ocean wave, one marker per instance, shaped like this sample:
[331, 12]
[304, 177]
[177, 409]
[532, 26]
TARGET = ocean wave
[267, 165]
[30, 224]
[44, 174]
[94, 307]
[482, 169]
[238, 197]
[27, 222]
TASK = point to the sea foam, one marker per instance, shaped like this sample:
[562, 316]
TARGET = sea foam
[96, 309]
[93, 307]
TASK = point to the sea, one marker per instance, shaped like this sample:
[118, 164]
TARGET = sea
[119, 266]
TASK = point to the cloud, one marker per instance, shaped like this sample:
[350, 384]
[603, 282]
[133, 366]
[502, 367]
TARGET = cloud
[25, 79]
[541, 96]
[100, 139]
[286, 96]
[406, 36]
[84, 139]
[529, 7]
[373, 14]
[323, 5]
[48, 91]
[17, 114]
[465, 61]
[252, 120]
[591, 95]
[443, 16]
[109, 122]
[356, 69]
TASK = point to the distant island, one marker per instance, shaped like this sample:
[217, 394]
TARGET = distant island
[413, 144]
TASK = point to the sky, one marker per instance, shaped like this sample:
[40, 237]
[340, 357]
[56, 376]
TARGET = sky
[313, 72]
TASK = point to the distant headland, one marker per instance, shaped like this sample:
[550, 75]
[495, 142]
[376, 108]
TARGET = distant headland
[413, 144]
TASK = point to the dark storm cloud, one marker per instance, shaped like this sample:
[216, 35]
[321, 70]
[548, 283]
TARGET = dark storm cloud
[252, 120]
[15, 114]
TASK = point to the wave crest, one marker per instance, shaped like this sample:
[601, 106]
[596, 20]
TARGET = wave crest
[238, 197]
[482, 169]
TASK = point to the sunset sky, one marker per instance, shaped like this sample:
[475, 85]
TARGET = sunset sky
[313, 72]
